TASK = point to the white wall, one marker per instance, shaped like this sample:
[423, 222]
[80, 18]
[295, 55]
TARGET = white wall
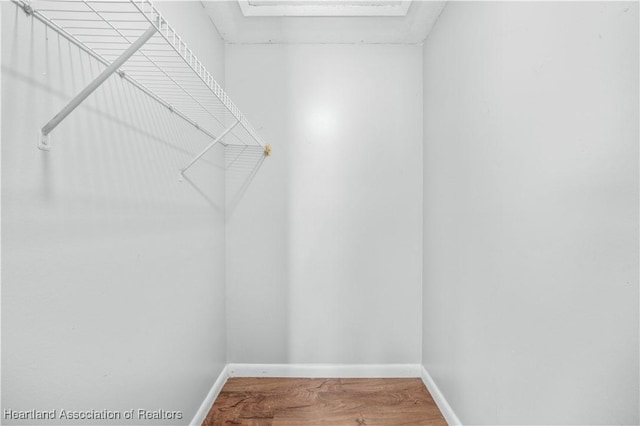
[324, 262]
[113, 271]
[531, 212]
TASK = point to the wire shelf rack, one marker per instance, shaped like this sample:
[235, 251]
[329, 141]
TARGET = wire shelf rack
[158, 62]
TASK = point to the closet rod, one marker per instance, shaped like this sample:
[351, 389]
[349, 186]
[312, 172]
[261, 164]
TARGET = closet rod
[80, 97]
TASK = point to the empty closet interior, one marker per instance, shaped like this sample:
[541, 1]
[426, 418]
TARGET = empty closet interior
[193, 191]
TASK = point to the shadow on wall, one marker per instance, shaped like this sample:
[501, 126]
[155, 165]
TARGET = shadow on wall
[109, 262]
[119, 147]
[202, 192]
[241, 164]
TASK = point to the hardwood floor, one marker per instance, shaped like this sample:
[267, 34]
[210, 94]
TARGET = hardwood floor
[336, 402]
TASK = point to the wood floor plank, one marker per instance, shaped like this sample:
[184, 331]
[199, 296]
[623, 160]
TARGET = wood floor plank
[315, 402]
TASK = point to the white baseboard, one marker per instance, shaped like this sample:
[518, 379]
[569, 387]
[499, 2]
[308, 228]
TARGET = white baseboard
[325, 370]
[441, 402]
[202, 412]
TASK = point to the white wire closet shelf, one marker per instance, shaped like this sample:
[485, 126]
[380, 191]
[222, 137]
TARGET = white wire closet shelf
[132, 38]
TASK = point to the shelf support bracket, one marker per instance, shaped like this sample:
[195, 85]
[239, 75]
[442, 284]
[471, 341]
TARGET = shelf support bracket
[211, 145]
[43, 141]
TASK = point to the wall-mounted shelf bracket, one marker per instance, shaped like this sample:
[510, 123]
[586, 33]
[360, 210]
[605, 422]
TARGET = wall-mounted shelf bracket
[211, 145]
[133, 39]
[43, 141]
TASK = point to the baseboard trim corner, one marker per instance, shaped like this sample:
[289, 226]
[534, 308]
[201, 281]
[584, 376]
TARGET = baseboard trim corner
[325, 370]
[439, 399]
[202, 412]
